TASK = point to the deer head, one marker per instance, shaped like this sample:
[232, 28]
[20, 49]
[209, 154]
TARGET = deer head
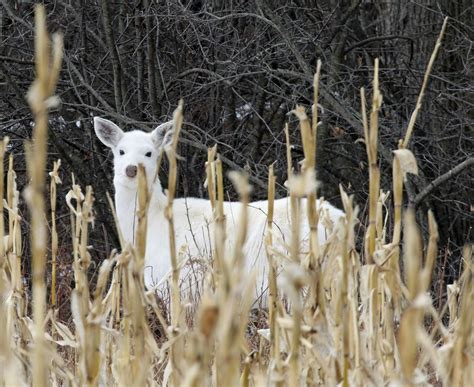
[133, 148]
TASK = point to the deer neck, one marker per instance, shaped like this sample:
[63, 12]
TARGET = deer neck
[126, 204]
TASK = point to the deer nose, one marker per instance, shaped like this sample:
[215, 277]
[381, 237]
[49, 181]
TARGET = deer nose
[131, 171]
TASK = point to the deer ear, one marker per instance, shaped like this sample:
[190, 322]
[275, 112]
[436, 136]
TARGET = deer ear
[163, 134]
[107, 132]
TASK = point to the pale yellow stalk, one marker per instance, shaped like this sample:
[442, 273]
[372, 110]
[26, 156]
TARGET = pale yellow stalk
[54, 234]
[172, 179]
[48, 64]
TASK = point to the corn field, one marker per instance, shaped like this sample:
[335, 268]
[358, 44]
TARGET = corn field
[345, 315]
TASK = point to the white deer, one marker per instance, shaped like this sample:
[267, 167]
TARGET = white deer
[193, 218]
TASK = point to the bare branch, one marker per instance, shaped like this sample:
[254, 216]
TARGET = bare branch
[440, 180]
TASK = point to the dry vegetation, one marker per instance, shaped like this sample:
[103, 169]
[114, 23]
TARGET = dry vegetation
[356, 317]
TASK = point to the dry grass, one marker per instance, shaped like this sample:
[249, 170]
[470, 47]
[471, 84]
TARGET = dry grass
[355, 317]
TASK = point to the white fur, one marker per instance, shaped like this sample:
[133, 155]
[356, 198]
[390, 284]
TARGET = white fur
[192, 217]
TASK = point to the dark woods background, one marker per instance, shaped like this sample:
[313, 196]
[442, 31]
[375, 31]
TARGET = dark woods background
[241, 66]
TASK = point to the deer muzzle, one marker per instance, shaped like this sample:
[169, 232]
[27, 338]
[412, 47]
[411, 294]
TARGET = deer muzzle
[131, 171]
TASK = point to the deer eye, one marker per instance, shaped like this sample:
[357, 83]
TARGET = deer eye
[148, 154]
[121, 152]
